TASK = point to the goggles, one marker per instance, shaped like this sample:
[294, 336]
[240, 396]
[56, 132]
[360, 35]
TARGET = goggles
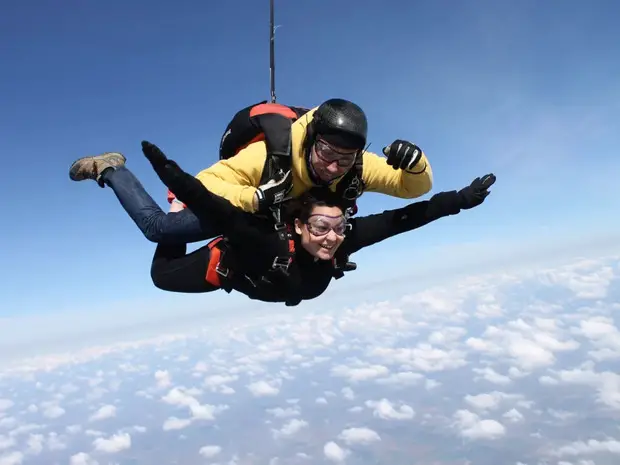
[321, 225]
[329, 154]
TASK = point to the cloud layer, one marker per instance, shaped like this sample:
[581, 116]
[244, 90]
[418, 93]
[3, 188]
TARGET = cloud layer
[518, 369]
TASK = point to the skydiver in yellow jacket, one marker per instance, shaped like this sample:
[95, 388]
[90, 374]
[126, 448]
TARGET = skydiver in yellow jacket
[326, 148]
[324, 144]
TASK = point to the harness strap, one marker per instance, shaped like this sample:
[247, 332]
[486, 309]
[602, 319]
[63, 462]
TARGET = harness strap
[283, 262]
[215, 270]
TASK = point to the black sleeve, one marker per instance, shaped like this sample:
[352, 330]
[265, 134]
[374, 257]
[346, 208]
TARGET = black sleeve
[368, 230]
[237, 225]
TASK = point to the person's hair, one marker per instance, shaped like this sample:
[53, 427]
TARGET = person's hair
[302, 206]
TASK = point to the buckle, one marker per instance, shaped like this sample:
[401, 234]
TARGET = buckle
[279, 226]
[275, 211]
[350, 211]
[351, 193]
[345, 266]
[224, 272]
[350, 266]
[282, 263]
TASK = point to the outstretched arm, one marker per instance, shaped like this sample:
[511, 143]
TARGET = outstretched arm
[203, 203]
[368, 230]
[248, 233]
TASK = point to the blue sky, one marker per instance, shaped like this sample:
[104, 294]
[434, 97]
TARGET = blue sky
[523, 89]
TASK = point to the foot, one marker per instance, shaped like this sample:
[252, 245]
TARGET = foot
[92, 167]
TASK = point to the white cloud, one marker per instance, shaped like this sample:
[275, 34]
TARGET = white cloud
[82, 458]
[8, 422]
[404, 378]
[447, 335]
[490, 400]
[362, 435]
[73, 429]
[93, 432]
[35, 444]
[359, 373]
[12, 458]
[104, 412]
[591, 446]
[210, 451]
[423, 357]
[473, 427]
[220, 383]
[52, 410]
[182, 397]
[162, 377]
[24, 367]
[604, 335]
[56, 442]
[431, 384]
[348, 393]
[263, 388]
[174, 423]
[290, 428]
[116, 443]
[527, 345]
[586, 278]
[6, 442]
[334, 452]
[492, 376]
[513, 415]
[607, 384]
[280, 412]
[385, 410]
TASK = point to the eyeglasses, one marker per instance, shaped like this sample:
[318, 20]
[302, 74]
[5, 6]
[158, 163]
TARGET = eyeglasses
[329, 154]
[319, 225]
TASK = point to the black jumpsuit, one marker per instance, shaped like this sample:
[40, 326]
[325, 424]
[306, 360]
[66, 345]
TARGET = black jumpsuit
[253, 244]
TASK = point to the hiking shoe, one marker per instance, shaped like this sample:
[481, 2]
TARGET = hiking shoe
[92, 167]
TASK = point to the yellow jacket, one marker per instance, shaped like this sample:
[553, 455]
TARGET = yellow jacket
[237, 178]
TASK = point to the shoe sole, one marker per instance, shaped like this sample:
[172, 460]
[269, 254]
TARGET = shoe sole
[74, 169]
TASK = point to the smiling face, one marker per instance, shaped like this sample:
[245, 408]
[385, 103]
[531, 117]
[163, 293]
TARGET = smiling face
[330, 162]
[323, 232]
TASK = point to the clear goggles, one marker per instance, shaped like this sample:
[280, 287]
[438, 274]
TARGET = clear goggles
[321, 225]
[329, 154]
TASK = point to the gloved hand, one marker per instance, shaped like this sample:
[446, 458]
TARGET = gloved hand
[402, 155]
[154, 155]
[273, 192]
[185, 186]
[474, 194]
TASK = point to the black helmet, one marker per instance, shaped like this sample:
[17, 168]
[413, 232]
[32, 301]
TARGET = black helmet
[341, 123]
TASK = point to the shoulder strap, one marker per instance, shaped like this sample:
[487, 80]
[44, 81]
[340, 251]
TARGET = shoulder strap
[277, 130]
[270, 122]
[350, 188]
[352, 185]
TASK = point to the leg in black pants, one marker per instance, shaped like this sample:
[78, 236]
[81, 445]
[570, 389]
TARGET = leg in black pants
[175, 271]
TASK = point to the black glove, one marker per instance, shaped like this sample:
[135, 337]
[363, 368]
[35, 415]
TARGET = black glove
[186, 187]
[154, 155]
[274, 191]
[402, 155]
[474, 194]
